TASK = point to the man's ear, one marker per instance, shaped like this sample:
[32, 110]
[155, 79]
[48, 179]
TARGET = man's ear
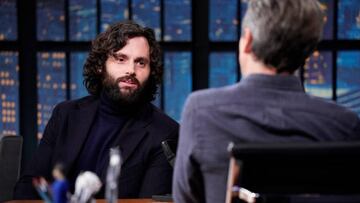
[247, 40]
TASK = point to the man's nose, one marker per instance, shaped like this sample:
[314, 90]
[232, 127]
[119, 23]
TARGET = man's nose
[130, 68]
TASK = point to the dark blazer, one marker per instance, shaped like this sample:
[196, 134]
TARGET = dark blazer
[144, 171]
[260, 108]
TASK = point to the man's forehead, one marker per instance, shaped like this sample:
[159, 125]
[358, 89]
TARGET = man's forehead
[135, 46]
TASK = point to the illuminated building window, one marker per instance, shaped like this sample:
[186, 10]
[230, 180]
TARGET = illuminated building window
[51, 85]
[318, 75]
[77, 87]
[328, 7]
[9, 93]
[8, 20]
[223, 69]
[147, 13]
[82, 19]
[177, 82]
[223, 26]
[177, 20]
[348, 80]
[348, 19]
[50, 20]
[113, 11]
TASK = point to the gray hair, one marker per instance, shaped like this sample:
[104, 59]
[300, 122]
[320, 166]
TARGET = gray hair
[285, 32]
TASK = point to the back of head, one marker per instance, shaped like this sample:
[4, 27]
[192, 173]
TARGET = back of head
[285, 32]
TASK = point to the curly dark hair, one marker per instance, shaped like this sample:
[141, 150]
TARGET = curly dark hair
[108, 43]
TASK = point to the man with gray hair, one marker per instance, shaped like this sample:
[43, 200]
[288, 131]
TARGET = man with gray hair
[267, 105]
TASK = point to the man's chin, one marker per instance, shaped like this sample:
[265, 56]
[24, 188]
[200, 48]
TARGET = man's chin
[129, 96]
[127, 92]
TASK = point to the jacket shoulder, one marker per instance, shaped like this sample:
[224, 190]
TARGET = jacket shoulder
[70, 104]
[210, 97]
[163, 124]
[161, 118]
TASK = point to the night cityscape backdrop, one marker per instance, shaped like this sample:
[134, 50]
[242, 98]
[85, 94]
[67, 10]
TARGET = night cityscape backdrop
[224, 22]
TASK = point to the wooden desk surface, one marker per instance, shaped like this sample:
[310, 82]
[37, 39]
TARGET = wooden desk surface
[97, 201]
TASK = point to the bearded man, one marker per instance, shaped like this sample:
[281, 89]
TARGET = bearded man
[122, 74]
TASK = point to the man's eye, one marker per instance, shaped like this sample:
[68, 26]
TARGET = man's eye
[120, 59]
[141, 63]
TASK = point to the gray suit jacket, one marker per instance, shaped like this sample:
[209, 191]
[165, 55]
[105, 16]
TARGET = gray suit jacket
[258, 109]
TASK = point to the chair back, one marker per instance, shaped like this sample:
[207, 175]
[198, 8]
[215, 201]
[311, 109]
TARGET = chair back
[295, 168]
[10, 160]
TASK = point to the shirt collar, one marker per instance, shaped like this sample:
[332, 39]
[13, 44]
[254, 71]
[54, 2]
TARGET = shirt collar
[283, 82]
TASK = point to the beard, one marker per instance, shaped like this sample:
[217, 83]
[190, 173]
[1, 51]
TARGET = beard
[126, 96]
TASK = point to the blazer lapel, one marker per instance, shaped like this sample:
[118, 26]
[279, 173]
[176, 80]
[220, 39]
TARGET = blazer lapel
[80, 121]
[130, 138]
[133, 132]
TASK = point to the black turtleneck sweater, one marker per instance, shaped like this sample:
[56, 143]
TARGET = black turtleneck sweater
[106, 127]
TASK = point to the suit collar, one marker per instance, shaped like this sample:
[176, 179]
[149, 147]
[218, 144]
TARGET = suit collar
[281, 82]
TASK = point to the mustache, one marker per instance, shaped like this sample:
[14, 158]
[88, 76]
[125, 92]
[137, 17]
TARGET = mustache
[128, 79]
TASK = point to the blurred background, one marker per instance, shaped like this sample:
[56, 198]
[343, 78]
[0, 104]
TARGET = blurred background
[44, 43]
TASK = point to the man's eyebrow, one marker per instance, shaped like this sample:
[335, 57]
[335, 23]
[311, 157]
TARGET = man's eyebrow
[143, 59]
[118, 55]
